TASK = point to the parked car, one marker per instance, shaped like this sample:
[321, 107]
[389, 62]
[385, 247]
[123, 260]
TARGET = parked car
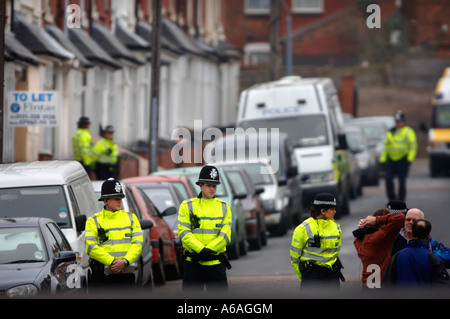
[375, 133]
[164, 196]
[58, 190]
[274, 199]
[355, 176]
[165, 262]
[184, 186]
[280, 156]
[144, 265]
[255, 223]
[36, 259]
[238, 241]
[365, 155]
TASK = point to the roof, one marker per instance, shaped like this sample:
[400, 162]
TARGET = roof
[66, 43]
[39, 173]
[111, 44]
[17, 51]
[91, 49]
[23, 221]
[38, 41]
[130, 39]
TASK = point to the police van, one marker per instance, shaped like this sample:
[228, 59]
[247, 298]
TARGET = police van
[59, 190]
[439, 132]
[308, 110]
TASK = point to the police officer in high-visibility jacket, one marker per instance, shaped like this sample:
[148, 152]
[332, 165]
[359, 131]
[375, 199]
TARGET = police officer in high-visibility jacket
[82, 144]
[316, 245]
[204, 226]
[400, 149]
[113, 239]
[106, 155]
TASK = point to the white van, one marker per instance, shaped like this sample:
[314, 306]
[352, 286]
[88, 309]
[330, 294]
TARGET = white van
[308, 110]
[59, 190]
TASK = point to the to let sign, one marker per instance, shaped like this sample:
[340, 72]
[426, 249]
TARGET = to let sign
[33, 108]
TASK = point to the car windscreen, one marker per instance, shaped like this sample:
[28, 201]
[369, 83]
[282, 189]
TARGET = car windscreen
[161, 197]
[21, 245]
[303, 131]
[41, 201]
[355, 141]
[258, 173]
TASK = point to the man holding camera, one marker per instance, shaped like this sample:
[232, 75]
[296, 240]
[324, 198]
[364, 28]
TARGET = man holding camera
[316, 244]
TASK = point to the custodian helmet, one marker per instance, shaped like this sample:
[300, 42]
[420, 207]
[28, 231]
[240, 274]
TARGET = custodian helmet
[111, 188]
[209, 175]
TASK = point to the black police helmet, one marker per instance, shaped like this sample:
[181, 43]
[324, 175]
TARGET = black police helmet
[397, 206]
[111, 188]
[109, 129]
[208, 175]
[84, 120]
[327, 199]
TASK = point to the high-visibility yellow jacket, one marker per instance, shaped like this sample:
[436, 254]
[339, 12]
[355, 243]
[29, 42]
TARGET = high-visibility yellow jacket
[214, 231]
[330, 243]
[124, 236]
[82, 147]
[398, 144]
[105, 152]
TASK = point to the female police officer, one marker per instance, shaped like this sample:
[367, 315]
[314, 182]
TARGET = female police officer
[316, 244]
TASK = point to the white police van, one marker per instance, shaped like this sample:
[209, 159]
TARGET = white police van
[59, 190]
[308, 110]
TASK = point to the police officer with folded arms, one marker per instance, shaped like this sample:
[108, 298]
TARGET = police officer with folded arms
[400, 149]
[316, 245]
[113, 239]
[205, 230]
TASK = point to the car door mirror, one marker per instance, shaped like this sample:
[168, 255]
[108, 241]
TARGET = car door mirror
[169, 211]
[80, 223]
[145, 223]
[64, 257]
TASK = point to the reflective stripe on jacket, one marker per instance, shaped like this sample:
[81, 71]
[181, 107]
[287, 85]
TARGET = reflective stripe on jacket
[124, 236]
[105, 152]
[82, 146]
[399, 144]
[214, 229]
[330, 243]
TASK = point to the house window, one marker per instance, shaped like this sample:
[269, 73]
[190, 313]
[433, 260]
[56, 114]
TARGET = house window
[256, 53]
[307, 6]
[257, 6]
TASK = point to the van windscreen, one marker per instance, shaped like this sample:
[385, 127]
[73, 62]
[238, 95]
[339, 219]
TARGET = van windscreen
[42, 201]
[303, 131]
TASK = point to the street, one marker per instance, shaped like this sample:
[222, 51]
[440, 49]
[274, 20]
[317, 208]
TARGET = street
[267, 273]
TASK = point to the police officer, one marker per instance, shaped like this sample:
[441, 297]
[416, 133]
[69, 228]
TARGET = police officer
[205, 230]
[316, 244]
[400, 149]
[106, 155]
[82, 144]
[113, 239]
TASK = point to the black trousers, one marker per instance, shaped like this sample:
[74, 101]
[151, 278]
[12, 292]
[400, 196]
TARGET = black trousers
[320, 277]
[106, 284]
[398, 169]
[104, 171]
[196, 277]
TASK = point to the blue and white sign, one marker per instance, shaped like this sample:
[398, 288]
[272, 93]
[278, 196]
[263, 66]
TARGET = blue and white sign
[32, 108]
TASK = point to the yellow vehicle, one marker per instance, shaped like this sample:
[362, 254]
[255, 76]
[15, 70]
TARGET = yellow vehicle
[439, 132]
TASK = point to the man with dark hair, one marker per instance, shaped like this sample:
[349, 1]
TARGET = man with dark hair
[416, 266]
